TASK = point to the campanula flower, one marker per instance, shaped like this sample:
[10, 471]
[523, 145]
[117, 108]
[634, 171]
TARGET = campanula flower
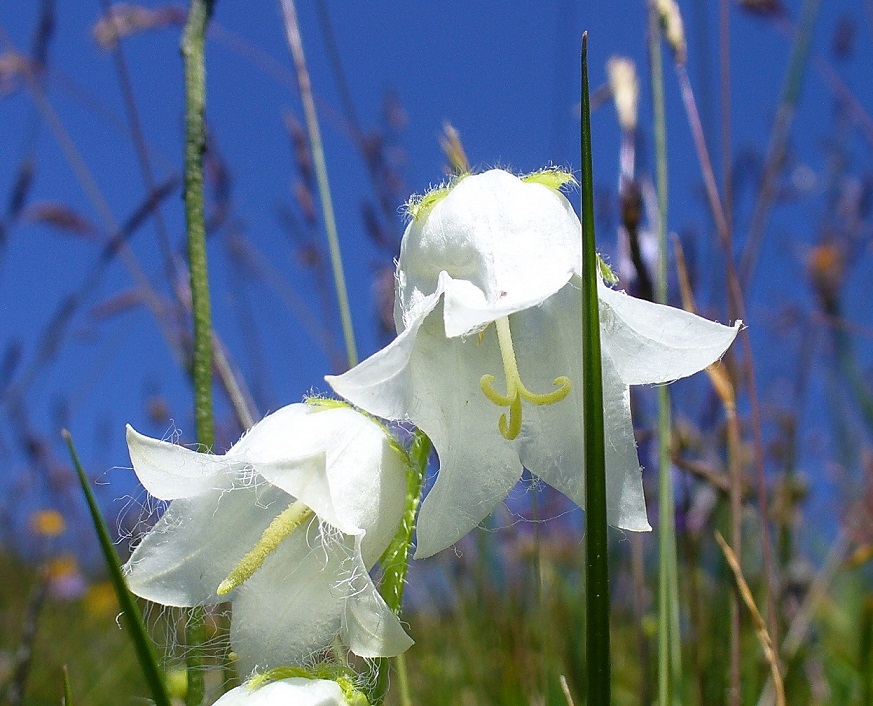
[487, 360]
[285, 525]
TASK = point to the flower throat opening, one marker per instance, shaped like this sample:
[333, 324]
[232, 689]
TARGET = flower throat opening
[280, 528]
[515, 389]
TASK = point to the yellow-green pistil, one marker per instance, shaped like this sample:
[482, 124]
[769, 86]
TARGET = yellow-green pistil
[281, 527]
[515, 389]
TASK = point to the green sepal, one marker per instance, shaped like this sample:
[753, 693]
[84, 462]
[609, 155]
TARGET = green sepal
[552, 177]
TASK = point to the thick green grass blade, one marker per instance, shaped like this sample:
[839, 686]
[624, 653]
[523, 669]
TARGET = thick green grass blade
[139, 636]
[596, 556]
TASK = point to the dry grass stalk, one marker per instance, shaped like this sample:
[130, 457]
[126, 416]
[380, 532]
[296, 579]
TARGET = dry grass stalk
[760, 625]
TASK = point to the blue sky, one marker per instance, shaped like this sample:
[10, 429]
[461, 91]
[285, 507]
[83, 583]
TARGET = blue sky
[506, 75]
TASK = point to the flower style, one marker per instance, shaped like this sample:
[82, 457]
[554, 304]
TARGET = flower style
[285, 525]
[298, 691]
[497, 249]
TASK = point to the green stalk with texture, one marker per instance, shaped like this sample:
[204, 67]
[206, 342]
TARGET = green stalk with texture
[193, 41]
[395, 561]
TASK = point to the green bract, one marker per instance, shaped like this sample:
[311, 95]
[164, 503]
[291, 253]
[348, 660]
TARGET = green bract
[288, 522]
[497, 250]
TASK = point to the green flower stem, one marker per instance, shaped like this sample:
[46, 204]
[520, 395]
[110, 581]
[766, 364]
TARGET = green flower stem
[139, 637]
[669, 649]
[195, 144]
[395, 560]
[596, 556]
[295, 42]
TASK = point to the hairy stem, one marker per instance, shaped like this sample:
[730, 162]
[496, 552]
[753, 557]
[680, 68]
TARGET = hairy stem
[193, 41]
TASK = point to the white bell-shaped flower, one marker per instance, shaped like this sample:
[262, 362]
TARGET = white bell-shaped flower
[488, 281]
[296, 691]
[285, 525]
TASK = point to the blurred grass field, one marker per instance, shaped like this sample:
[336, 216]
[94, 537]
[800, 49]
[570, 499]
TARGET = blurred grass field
[491, 643]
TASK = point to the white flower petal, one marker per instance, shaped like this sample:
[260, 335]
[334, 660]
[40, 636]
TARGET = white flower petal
[313, 589]
[306, 480]
[296, 691]
[653, 343]
[433, 381]
[370, 628]
[356, 484]
[552, 438]
[367, 477]
[285, 434]
[198, 541]
[292, 606]
[169, 471]
[492, 231]
[625, 502]
[478, 467]
[382, 384]
[467, 310]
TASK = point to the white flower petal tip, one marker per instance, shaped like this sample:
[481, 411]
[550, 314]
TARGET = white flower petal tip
[370, 628]
[653, 343]
[286, 524]
[296, 691]
[169, 471]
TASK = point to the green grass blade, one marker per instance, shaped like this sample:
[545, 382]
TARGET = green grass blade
[596, 557]
[68, 692]
[139, 636]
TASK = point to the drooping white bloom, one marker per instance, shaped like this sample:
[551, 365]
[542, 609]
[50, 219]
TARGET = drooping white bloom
[504, 251]
[285, 525]
[296, 691]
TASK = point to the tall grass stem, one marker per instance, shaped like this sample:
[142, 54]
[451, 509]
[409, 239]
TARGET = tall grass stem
[669, 646]
[295, 42]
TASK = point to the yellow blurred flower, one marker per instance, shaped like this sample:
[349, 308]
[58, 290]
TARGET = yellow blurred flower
[100, 599]
[48, 523]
